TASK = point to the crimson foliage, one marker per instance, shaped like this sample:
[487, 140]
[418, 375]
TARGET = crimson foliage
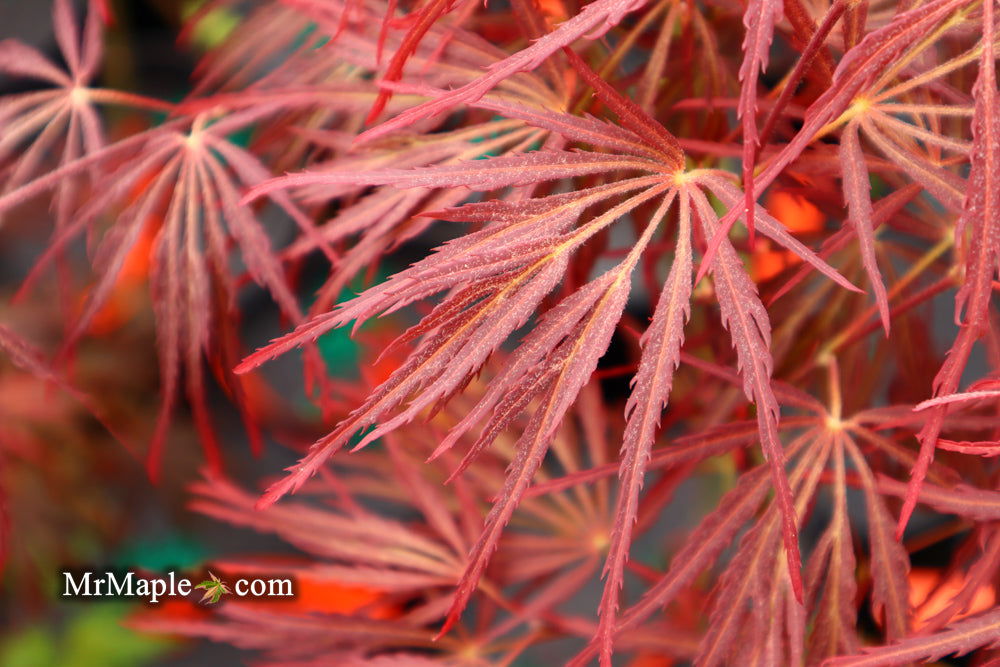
[618, 151]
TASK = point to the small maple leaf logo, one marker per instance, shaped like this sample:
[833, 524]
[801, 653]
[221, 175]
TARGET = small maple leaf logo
[215, 588]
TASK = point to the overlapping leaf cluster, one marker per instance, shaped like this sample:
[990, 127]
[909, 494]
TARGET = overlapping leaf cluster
[595, 170]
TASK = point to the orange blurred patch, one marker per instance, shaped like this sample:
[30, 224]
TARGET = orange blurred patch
[766, 263]
[379, 372]
[554, 10]
[127, 294]
[651, 660]
[794, 211]
[378, 368]
[172, 610]
[928, 602]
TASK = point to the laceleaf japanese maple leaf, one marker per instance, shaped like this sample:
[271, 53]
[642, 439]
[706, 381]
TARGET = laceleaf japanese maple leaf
[592, 22]
[982, 392]
[63, 113]
[756, 578]
[196, 175]
[497, 277]
[873, 85]
[872, 116]
[759, 20]
[347, 523]
[62, 121]
[980, 218]
[332, 87]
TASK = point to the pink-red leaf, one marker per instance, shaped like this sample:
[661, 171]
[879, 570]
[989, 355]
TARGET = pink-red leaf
[889, 560]
[592, 21]
[959, 639]
[746, 318]
[661, 354]
[758, 19]
[981, 214]
[490, 174]
[963, 500]
[859, 205]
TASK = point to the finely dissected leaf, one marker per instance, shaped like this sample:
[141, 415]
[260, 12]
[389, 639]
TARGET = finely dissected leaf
[702, 546]
[526, 374]
[192, 195]
[758, 566]
[527, 231]
[568, 368]
[889, 561]
[835, 632]
[592, 21]
[980, 215]
[758, 19]
[500, 275]
[857, 69]
[490, 174]
[952, 399]
[745, 317]
[63, 120]
[563, 167]
[661, 354]
[859, 206]
[964, 500]
[576, 359]
[631, 114]
[443, 361]
[959, 639]
[66, 118]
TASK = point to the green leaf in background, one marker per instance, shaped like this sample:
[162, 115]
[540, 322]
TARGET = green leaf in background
[214, 28]
[92, 637]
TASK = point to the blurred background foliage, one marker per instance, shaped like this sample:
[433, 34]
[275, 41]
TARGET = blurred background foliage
[72, 495]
